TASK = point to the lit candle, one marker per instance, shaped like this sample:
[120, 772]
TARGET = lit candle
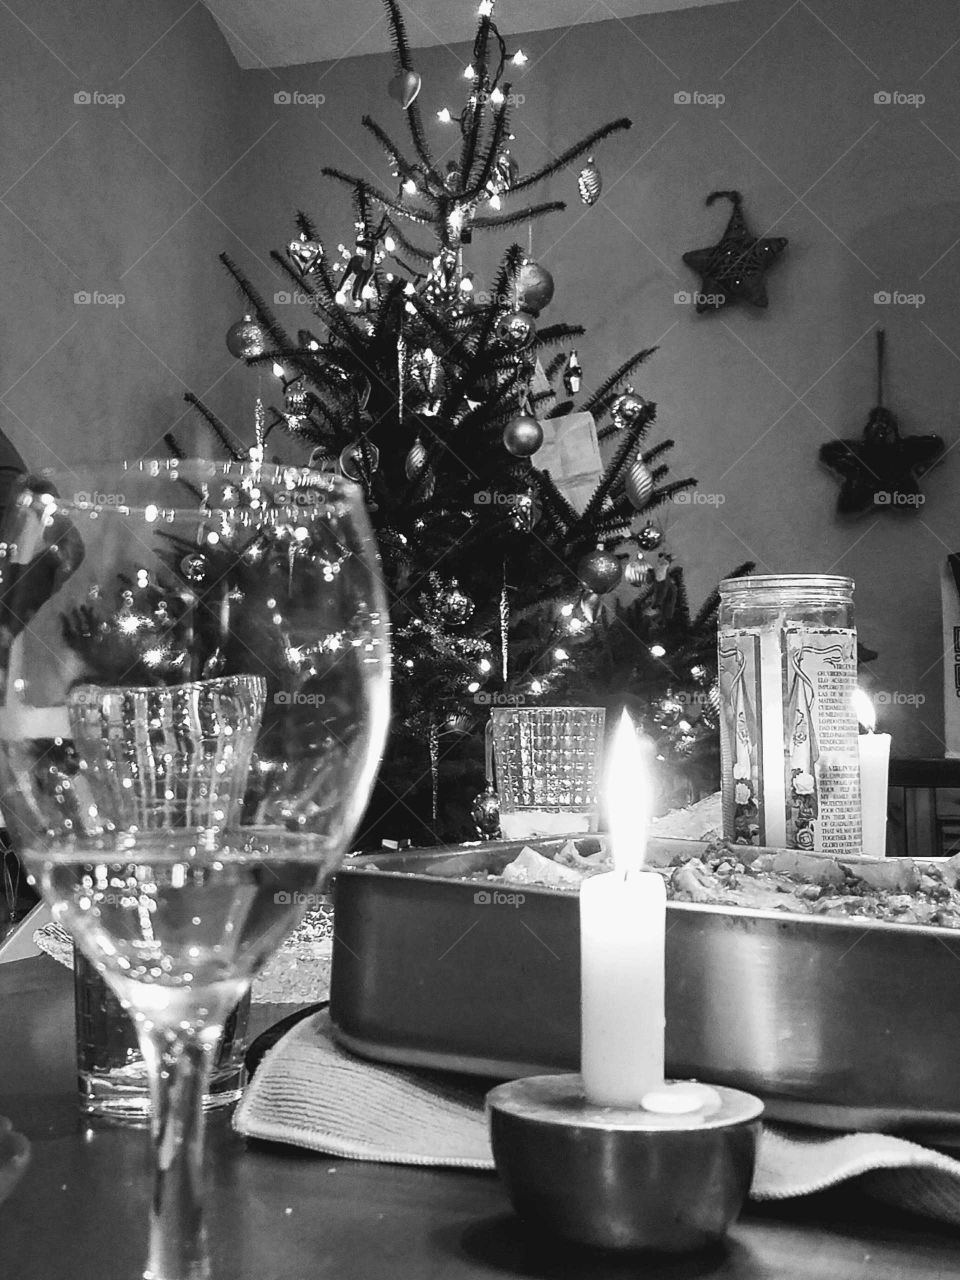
[874, 768]
[622, 928]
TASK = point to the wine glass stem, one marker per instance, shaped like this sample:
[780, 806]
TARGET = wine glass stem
[179, 1067]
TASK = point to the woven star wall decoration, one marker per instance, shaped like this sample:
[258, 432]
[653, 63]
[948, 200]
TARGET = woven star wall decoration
[881, 470]
[733, 270]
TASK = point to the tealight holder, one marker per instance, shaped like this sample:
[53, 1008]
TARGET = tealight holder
[669, 1177]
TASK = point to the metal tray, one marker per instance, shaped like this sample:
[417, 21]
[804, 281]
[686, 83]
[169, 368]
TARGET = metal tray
[838, 1023]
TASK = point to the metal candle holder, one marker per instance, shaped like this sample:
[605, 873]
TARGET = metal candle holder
[627, 1179]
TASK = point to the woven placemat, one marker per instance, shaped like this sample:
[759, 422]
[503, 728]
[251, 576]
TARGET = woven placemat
[310, 1092]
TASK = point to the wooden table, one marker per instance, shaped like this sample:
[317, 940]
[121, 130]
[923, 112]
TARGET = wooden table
[275, 1213]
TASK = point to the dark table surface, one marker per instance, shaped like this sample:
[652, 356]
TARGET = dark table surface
[275, 1213]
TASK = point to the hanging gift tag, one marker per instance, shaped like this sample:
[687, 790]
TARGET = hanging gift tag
[571, 453]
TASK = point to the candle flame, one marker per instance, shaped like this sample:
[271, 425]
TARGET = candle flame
[628, 788]
[863, 706]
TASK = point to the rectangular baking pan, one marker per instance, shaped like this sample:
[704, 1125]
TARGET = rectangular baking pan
[839, 1023]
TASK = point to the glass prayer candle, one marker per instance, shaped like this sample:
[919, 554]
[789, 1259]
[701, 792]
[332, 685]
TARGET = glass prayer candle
[787, 650]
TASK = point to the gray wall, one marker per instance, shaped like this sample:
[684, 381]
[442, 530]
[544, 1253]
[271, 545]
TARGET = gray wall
[869, 195]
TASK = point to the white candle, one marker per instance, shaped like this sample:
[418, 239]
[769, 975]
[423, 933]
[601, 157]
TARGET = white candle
[622, 929]
[874, 770]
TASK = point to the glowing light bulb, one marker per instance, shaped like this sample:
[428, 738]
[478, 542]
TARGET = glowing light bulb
[409, 290]
[536, 687]
[410, 187]
[466, 285]
[657, 651]
[389, 243]
[485, 665]
[444, 116]
[497, 96]
[313, 345]
[566, 610]
[561, 655]
[278, 369]
[485, 8]
[473, 686]
[468, 72]
[495, 201]
[368, 292]
[519, 59]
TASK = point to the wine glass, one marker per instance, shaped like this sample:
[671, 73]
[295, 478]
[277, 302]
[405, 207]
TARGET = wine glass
[194, 694]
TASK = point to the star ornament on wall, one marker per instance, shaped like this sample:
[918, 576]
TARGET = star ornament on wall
[880, 471]
[733, 270]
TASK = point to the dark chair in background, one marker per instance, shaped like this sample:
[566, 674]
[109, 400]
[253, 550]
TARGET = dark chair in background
[923, 811]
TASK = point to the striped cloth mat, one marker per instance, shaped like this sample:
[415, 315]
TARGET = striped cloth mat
[311, 1093]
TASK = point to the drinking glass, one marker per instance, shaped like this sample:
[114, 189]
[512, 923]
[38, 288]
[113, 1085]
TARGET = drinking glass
[194, 693]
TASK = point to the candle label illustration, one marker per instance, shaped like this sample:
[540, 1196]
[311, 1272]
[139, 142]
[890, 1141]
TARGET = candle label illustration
[789, 755]
[822, 758]
[741, 740]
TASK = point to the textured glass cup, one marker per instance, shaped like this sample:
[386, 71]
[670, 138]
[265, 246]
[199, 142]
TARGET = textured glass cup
[112, 1076]
[548, 758]
[194, 693]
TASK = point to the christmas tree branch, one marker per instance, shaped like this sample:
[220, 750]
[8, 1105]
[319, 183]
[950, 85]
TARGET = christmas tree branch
[306, 227]
[555, 333]
[555, 365]
[506, 274]
[498, 132]
[657, 451]
[173, 445]
[468, 151]
[402, 62]
[422, 216]
[405, 169]
[581, 148]
[322, 299]
[612, 473]
[605, 394]
[710, 606]
[553, 498]
[522, 215]
[422, 255]
[265, 316]
[660, 496]
[228, 440]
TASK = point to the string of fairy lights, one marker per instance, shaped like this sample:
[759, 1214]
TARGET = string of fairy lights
[378, 258]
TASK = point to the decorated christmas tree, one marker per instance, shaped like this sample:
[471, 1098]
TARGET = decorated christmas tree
[520, 566]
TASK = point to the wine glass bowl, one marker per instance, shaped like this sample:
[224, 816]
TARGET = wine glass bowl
[194, 676]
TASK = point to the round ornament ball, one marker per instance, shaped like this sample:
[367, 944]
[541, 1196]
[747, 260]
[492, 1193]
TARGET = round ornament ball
[485, 812]
[352, 464]
[522, 436]
[246, 339]
[456, 607]
[534, 288]
[516, 330]
[649, 537]
[627, 408]
[194, 567]
[639, 484]
[599, 571]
